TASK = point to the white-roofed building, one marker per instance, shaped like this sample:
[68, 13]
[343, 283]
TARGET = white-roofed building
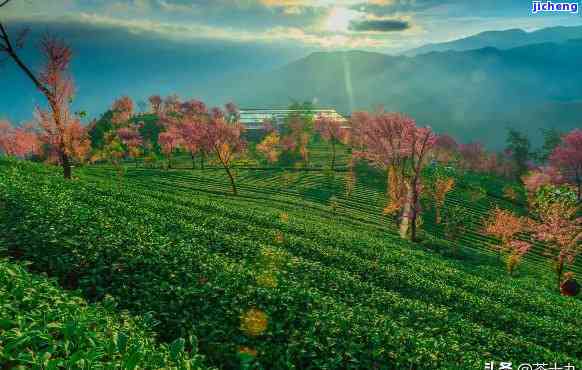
[254, 118]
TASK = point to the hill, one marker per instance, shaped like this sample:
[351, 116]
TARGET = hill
[290, 274]
[505, 39]
[476, 93]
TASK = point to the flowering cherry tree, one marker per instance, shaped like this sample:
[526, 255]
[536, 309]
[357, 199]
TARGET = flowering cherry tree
[422, 140]
[358, 121]
[330, 130]
[192, 136]
[225, 140]
[445, 148]
[122, 110]
[170, 140]
[131, 138]
[18, 141]
[505, 226]
[62, 131]
[439, 188]
[568, 158]
[560, 229]
[472, 156]
[269, 147]
[297, 131]
[393, 142]
[171, 104]
[539, 177]
[190, 119]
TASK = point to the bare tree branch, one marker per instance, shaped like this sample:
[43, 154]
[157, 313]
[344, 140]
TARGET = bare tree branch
[4, 3]
[9, 49]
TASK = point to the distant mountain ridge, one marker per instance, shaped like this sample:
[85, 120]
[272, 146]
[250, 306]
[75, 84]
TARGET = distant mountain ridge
[506, 39]
[473, 94]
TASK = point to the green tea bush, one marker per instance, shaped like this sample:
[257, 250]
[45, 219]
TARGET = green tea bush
[342, 297]
[42, 327]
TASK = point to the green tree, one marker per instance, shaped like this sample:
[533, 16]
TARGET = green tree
[552, 138]
[298, 130]
[518, 145]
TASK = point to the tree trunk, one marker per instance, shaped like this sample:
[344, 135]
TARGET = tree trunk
[405, 223]
[559, 271]
[332, 154]
[193, 161]
[201, 161]
[169, 162]
[413, 209]
[66, 163]
[8, 48]
[438, 215]
[504, 244]
[232, 183]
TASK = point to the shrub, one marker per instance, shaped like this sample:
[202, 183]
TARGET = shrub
[43, 327]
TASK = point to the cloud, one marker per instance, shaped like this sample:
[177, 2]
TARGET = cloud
[172, 7]
[185, 32]
[284, 2]
[391, 7]
[379, 25]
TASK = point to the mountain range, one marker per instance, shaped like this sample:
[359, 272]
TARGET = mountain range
[473, 88]
[506, 39]
[473, 94]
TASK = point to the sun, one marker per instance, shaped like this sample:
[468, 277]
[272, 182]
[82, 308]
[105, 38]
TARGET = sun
[339, 19]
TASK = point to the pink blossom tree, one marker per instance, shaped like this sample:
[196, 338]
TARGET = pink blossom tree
[226, 141]
[568, 158]
[540, 177]
[191, 118]
[172, 104]
[122, 110]
[298, 131]
[170, 140]
[358, 121]
[270, 147]
[330, 130]
[561, 230]
[193, 133]
[61, 129]
[131, 138]
[393, 142]
[19, 142]
[421, 140]
[445, 148]
[472, 156]
[505, 226]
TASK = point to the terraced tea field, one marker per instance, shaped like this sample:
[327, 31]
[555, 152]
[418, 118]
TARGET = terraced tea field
[43, 327]
[292, 273]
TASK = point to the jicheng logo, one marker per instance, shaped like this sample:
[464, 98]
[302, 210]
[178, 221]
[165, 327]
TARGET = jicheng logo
[550, 7]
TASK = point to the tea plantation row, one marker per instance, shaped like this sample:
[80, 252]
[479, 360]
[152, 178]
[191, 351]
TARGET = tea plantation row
[323, 293]
[42, 327]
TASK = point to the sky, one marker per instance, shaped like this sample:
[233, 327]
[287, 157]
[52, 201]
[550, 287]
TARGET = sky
[389, 26]
[193, 47]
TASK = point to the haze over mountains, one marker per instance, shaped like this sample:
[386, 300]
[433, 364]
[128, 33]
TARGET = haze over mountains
[506, 39]
[475, 93]
[473, 88]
